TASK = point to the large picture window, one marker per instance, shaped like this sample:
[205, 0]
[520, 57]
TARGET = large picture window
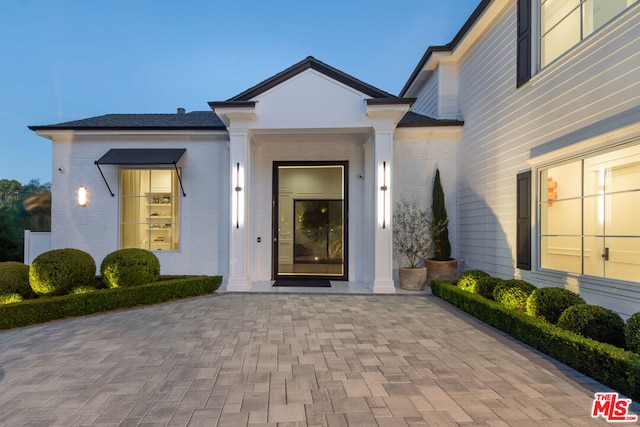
[149, 209]
[589, 221]
[564, 23]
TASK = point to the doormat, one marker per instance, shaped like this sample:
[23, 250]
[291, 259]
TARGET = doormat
[303, 283]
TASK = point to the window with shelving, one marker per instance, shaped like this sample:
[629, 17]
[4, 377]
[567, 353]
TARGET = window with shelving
[589, 222]
[565, 23]
[149, 209]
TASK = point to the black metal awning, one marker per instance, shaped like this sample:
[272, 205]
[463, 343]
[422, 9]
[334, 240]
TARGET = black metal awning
[142, 157]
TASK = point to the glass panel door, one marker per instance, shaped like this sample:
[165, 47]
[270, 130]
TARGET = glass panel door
[310, 220]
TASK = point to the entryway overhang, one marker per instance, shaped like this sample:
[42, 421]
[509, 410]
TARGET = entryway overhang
[141, 157]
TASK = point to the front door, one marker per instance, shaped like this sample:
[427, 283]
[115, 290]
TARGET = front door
[310, 220]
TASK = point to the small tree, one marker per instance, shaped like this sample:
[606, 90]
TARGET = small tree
[411, 238]
[440, 222]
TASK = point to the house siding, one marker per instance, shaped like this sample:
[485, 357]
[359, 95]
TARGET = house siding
[205, 217]
[596, 80]
[427, 102]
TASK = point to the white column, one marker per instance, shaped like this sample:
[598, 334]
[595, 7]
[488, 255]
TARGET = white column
[382, 159]
[238, 245]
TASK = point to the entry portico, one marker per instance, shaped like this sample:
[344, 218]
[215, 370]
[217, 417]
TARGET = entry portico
[311, 112]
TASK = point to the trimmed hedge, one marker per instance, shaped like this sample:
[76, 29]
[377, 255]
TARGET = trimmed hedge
[58, 271]
[14, 279]
[129, 267]
[513, 293]
[610, 365]
[468, 280]
[632, 333]
[45, 309]
[10, 298]
[595, 322]
[549, 303]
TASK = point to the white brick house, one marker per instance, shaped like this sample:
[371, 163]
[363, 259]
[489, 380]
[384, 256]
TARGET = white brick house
[531, 113]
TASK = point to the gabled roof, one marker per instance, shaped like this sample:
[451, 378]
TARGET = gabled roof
[449, 47]
[195, 120]
[314, 64]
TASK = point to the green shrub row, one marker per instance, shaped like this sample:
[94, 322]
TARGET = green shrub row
[608, 364]
[42, 310]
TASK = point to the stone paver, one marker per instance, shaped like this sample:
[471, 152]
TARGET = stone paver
[284, 360]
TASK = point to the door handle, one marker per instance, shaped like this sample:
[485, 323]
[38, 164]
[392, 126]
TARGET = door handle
[605, 255]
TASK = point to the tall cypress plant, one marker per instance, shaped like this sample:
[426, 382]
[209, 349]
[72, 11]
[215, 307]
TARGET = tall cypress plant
[440, 222]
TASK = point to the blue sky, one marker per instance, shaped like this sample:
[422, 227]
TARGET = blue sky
[64, 60]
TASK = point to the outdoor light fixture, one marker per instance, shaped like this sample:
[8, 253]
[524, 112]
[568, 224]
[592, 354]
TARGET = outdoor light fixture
[82, 196]
[238, 190]
[384, 211]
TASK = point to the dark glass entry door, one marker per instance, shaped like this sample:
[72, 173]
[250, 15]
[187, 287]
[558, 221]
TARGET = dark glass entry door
[309, 225]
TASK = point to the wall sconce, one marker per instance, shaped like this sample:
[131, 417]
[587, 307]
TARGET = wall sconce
[239, 205]
[82, 196]
[384, 208]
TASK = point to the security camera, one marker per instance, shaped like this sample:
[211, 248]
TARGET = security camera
[61, 169]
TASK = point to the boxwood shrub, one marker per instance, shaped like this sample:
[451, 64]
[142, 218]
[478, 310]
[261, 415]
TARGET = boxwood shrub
[57, 271]
[610, 365]
[549, 303]
[10, 298]
[632, 333]
[595, 322]
[14, 279]
[129, 267]
[513, 293]
[468, 280]
[486, 286]
[41, 310]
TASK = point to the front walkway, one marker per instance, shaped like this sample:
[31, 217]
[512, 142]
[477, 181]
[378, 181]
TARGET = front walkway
[284, 359]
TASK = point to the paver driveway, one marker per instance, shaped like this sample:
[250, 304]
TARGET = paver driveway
[283, 359]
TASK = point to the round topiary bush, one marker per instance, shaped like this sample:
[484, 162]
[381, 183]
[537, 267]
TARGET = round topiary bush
[513, 293]
[549, 303]
[14, 279]
[486, 285]
[129, 267]
[632, 333]
[468, 280]
[592, 321]
[56, 272]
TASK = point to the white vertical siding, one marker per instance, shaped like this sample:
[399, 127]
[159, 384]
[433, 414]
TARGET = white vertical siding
[597, 79]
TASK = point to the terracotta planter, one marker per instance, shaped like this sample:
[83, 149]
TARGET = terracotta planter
[441, 269]
[413, 279]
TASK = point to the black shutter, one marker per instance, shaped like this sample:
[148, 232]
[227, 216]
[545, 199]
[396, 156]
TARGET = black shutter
[523, 209]
[524, 41]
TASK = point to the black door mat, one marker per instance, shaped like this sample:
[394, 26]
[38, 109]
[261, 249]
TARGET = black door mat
[303, 283]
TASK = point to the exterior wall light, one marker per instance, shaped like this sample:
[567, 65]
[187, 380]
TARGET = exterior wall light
[82, 196]
[239, 205]
[384, 200]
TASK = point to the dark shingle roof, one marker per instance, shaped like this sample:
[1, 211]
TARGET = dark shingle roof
[412, 119]
[313, 63]
[195, 120]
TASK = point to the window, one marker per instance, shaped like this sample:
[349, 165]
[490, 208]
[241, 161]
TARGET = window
[149, 209]
[589, 222]
[564, 23]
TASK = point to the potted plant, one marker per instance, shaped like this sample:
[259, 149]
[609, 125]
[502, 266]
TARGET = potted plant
[441, 266]
[412, 242]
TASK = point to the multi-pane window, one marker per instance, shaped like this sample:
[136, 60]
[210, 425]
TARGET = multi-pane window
[149, 209]
[589, 215]
[564, 23]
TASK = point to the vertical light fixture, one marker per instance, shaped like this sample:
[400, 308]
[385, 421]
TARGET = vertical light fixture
[385, 189]
[238, 189]
[82, 196]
